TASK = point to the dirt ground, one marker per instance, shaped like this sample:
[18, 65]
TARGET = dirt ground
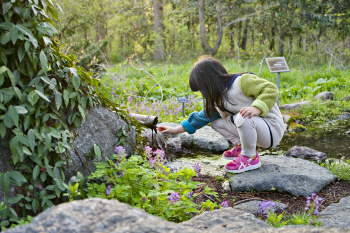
[330, 194]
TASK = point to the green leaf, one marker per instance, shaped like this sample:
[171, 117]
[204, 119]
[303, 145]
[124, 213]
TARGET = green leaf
[82, 112]
[42, 95]
[27, 151]
[12, 113]
[77, 122]
[28, 206]
[18, 93]
[47, 40]
[2, 129]
[43, 61]
[43, 176]
[76, 82]
[14, 34]
[97, 151]
[3, 69]
[36, 171]
[35, 205]
[28, 33]
[66, 97]
[21, 110]
[32, 97]
[13, 200]
[5, 38]
[5, 181]
[31, 139]
[12, 78]
[21, 53]
[58, 100]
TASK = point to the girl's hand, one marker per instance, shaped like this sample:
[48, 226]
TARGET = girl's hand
[171, 130]
[251, 111]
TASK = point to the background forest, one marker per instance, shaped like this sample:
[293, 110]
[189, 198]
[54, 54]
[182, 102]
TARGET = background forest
[311, 31]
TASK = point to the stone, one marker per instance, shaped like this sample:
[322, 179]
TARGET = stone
[294, 105]
[111, 216]
[345, 98]
[304, 152]
[296, 176]
[343, 116]
[337, 214]
[204, 139]
[98, 215]
[206, 168]
[296, 128]
[234, 220]
[100, 127]
[325, 95]
[226, 186]
[253, 207]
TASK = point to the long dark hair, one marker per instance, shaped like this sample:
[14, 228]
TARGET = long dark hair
[210, 77]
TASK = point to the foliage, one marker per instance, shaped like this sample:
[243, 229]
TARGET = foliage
[339, 168]
[307, 217]
[147, 184]
[43, 96]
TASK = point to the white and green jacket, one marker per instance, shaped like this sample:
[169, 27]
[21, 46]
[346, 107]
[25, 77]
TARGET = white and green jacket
[244, 91]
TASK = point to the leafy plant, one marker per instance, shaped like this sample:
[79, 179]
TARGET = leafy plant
[148, 184]
[43, 96]
[339, 168]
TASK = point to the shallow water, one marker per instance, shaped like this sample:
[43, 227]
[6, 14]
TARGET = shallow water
[332, 138]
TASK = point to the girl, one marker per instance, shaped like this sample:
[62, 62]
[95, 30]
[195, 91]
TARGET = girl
[241, 107]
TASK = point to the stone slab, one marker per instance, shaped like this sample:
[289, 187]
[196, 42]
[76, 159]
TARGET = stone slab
[337, 214]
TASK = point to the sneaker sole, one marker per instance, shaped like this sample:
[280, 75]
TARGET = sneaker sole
[256, 166]
[228, 158]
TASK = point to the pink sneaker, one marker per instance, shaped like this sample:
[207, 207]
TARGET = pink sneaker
[243, 164]
[231, 154]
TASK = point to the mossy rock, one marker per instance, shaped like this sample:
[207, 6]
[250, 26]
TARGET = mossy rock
[296, 128]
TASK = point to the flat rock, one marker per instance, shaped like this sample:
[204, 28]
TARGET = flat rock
[233, 219]
[294, 105]
[325, 95]
[111, 216]
[304, 152]
[206, 168]
[297, 176]
[253, 207]
[100, 127]
[204, 139]
[337, 214]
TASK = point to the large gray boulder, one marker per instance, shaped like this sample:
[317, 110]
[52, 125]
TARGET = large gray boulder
[337, 214]
[110, 216]
[294, 105]
[304, 152]
[204, 139]
[100, 127]
[297, 176]
[226, 220]
[325, 95]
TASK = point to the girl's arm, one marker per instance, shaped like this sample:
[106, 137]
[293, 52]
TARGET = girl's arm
[264, 92]
[196, 120]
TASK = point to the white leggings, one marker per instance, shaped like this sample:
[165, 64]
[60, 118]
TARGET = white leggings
[246, 132]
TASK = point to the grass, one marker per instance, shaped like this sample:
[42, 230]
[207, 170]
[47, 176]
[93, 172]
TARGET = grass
[152, 88]
[339, 168]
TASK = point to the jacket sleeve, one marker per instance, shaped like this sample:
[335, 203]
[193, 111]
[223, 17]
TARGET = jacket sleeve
[197, 120]
[264, 92]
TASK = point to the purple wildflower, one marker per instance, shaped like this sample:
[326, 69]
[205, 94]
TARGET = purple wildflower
[120, 151]
[121, 173]
[225, 204]
[197, 168]
[148, 151]
[173, 198]
[310, 221]
[266, 207]
[108, 190]
[106, 84]
[129, 99]
[313, 203]
[143, 199]
[189, 195]
[160, 154]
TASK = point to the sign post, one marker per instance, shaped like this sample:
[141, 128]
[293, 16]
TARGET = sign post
[277, 65]
[182, 100]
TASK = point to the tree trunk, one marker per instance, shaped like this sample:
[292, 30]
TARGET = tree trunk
[273, 32]
[245, 34]
[159, 53]
[281, 42]
[203, 33]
